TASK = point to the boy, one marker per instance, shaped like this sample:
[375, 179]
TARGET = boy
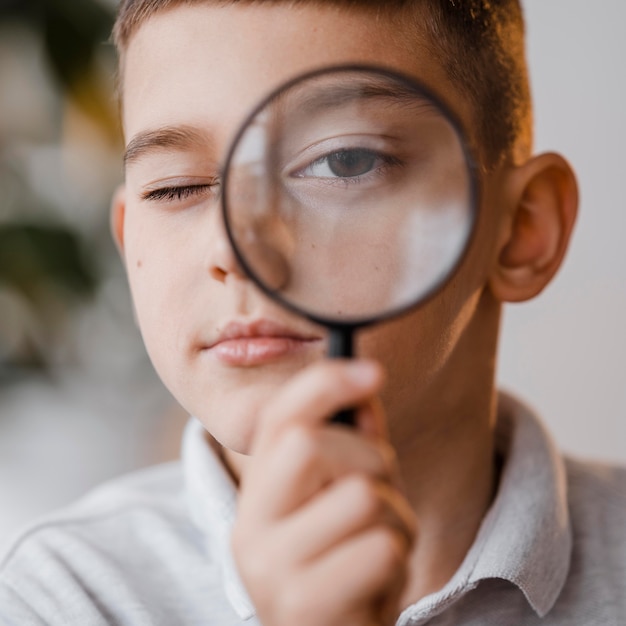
[446, 504]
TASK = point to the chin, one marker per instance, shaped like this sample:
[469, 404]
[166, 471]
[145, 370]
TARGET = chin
[229, 402]
[234, 428]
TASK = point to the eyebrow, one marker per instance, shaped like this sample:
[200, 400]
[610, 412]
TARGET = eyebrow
[181, 137]
[332, 96]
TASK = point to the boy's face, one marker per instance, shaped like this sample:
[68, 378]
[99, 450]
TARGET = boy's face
[191, 75]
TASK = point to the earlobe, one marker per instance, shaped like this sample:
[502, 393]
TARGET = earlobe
[537, 233]
[118, 211]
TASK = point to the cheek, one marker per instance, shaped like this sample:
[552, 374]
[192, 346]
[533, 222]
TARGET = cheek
[417, 347]
[414, 342]
[156, 265]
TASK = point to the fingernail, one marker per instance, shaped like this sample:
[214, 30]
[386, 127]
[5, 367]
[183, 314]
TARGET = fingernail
[364, 373]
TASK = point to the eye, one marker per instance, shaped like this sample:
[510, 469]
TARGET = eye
[177, 192]
[348, 165]
[342, 164]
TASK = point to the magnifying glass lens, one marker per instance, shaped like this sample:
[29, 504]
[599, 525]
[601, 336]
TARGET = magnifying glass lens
[349, 195]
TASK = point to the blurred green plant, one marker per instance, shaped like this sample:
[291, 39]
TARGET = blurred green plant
[41, 254]
[34, 256]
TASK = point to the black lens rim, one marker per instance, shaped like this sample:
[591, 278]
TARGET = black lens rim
[475, 194]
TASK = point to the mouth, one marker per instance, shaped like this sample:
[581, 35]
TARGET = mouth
[249, 344]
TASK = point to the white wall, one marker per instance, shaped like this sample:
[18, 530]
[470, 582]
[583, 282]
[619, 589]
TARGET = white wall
[566, 351]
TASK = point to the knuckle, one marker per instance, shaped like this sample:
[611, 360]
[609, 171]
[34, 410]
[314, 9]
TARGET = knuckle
[333, 378]
[389, 549]
[387, 456]
[364, 496]
[303, 446]
[321, 376]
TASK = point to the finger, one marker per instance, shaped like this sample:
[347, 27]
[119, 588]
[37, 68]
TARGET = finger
[372, 420]
[305, 460]
[345, 509]
[361, 574]
[314, 395]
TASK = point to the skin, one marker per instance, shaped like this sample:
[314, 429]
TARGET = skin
[335, 526]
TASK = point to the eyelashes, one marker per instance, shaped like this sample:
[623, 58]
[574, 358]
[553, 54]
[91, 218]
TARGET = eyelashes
[177, 193]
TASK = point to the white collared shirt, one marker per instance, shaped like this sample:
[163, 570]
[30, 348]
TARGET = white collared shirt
[153, 548]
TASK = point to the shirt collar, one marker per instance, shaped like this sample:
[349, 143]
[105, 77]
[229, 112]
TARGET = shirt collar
[525, 537]
[527, 534]
[212, 503]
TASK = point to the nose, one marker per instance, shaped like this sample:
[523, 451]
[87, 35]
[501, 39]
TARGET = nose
[259, 243]
[222, 261]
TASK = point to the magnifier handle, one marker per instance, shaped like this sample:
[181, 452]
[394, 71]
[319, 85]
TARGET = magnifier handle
[340, 345]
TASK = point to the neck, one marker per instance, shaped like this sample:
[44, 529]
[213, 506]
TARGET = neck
[447, 460]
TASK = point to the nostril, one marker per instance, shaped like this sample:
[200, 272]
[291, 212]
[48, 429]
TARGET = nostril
[218, 273]
[221, 260]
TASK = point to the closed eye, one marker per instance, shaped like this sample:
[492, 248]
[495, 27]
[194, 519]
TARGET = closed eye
[177, 192]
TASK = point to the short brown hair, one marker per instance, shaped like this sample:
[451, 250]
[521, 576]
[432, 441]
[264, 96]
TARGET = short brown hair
[479, 43]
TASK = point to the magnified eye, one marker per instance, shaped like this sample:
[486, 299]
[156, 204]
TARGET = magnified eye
[351, 163]
[343, 164]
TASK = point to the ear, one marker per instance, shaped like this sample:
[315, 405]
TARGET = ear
[534, 238]
[118, 212]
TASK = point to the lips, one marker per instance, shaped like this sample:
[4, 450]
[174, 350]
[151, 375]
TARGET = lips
[247, 344]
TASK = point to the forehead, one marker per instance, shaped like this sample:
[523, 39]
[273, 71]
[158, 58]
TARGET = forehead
[206, 66]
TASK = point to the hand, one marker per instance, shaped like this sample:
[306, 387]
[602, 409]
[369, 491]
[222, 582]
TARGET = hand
[323, 533]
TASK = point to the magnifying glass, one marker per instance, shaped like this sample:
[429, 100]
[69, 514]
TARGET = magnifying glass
[350, 196]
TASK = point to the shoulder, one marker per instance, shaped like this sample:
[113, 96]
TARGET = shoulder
[596, 494]
[156, 490]
[597, 505]
[597, 491]
[113, 508]
[105, 543]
